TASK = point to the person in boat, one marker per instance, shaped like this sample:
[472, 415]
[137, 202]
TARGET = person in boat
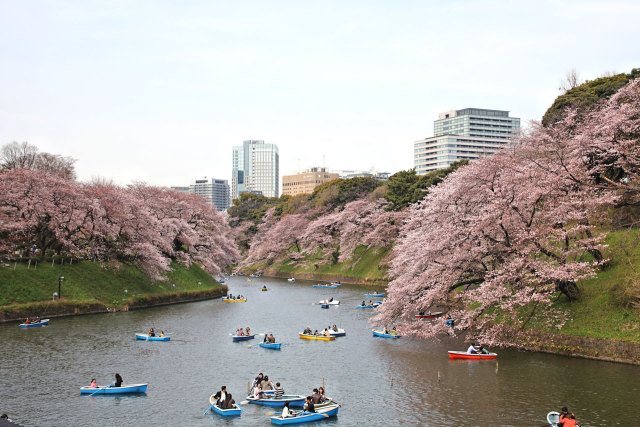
[240, 332]
[315, 397]
[472, 349]
[221, 395]
[323, 398]
[331, 299]
[27, 320]
[118, 381]
[363, 304]
[394, 331]
[335, 328]
[266, 338]
[278, 392]
[247, 331]
[272, 339]
[386, 330]
[36, 320]
[482, 350]
[286, 412]
[257, 391]
[266, 383]
[161, 334]
[152, 333]
[307, 331]
[370, 302]
[568, 420]
[228, 402]
[94, 384]
[264, 287]
[308, 405]
[6, 418]
[258, 380]
[315, 332]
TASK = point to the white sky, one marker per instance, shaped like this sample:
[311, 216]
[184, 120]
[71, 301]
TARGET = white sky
[159, 91]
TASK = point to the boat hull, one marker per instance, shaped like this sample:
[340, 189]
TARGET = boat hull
[128, 388]
[334, 302]
[237, 338]
[374, 295]
[381, 334]
[234, 300]
[316, 337]
[338, 333]
[146, 337]
[43, 322]
[374, 305]
[465, 355]
[324, 306]
[323, 286]
[271, 345]
[306, 417]
[264, 290]
[296, 401]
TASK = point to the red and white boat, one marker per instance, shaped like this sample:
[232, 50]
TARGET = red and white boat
[465, 355]
[429, 315]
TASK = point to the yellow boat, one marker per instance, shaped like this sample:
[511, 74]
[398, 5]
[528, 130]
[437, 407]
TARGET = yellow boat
[234, 300]
[316, 337]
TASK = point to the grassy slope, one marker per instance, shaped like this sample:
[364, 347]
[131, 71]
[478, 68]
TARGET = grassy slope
[364, 264]
[93, 282]
[601, 313]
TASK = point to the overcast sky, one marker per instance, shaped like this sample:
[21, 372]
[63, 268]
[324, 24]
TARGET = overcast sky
[159, 91]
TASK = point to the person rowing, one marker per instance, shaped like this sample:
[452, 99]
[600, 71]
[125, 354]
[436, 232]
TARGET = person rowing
[307, 331]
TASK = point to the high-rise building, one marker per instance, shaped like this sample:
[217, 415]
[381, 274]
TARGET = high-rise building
[304, 182]
[215, 191]
[255, 168]
[468, 134]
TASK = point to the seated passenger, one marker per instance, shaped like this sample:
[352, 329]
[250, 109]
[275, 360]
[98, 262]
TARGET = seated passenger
[472, 349]
[326, 333]
[278, 392]
[93, 383]
[161, 334]
[323, 398]
[286, 412]
[152, 333]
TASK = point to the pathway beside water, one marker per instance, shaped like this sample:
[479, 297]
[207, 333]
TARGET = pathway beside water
[377, 381]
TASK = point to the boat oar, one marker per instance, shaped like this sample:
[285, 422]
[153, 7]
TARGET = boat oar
[101, 388]
[208, 409]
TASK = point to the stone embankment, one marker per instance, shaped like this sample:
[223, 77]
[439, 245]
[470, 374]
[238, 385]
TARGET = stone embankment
[51, 309]
[327, 278]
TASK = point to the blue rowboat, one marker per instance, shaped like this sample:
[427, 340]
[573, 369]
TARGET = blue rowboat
[381, 334]
[43, 322]
[324, 286]
[321, 413]
[128, 388]
[336, 284]
[272, 345]
[374, 305]
[146, 337]
[242, 337]
[295, 400]
[374, 295]
[236, 410]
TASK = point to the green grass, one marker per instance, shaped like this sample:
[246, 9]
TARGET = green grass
[365, 264]
[604, 310]
[93, 282]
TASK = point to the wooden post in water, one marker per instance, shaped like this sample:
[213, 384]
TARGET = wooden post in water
[438, 376]
[323, 383]
[391, 379]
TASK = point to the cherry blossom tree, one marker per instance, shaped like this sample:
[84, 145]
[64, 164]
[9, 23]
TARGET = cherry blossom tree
[498, 239]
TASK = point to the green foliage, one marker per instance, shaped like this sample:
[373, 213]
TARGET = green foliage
[342, 191]
[406, 187]
[587, 94]
[88, 281]
[251, 207]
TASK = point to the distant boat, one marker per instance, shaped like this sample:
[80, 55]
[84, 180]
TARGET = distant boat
[324, 305]
[129, 388]
[264, 289]
[326, 411]
[326, 301]
[316, 337]
[374, 305]
[146, 337]
[291, 279]
[42, 322]
[233, 411]
[553, 418]
[337, 333]
[225, 299]
[324, 286]
[465, 355]
[374, 295]
[382, 334]
[271, 345]
[336, 283]
[237, 338]
[429, 315]
[295, 400]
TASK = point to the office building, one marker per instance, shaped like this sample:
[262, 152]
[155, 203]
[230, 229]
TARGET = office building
[380, 176]
[467, 134]
[255, 168]
[304, 182]
[215, 191]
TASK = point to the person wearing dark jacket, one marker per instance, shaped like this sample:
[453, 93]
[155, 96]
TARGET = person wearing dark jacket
[308, 405]
[118, 382]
